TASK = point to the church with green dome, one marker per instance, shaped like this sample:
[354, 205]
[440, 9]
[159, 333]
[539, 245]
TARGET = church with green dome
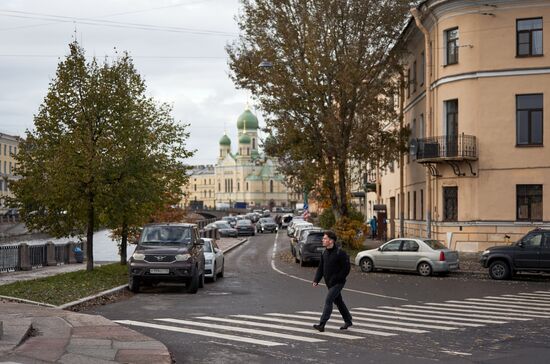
[241, 177]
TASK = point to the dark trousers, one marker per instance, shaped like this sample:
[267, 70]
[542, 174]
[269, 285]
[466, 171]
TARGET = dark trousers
[334, 296]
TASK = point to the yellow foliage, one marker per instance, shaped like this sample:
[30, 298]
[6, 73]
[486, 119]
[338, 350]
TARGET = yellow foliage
[351, 232]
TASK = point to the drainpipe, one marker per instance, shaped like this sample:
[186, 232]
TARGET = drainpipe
[401, 157]
[428, 124]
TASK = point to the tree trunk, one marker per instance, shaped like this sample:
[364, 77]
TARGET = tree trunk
[342, 186]
[124, 243]
[90, 235]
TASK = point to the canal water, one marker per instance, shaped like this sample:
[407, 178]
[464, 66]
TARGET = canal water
[105, 249]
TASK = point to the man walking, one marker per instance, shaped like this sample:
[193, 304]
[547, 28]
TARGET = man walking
[334, 267]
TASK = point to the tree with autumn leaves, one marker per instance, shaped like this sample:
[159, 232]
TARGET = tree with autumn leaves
[102, 153]
[327, 99]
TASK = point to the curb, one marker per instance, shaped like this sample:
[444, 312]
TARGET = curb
[22, 300]
[235, 245]
[89, 298]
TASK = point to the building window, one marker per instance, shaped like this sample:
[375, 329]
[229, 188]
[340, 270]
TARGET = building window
[414, 77]
[529, 119]
[10, 150]
[219, 187]
[451, 128]
[270, 186]
[253, 143]
[409, 83]
[421, 126]
[421, 204]
[238, 186]
[529, 37]
[195, 187]
[450, 203]
[529, 202]
[451, 46]
[422, 69]
[408, 205]
[414, 205]
[247, 186]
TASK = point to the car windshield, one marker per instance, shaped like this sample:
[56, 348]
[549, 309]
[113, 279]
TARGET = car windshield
[244, 222]
[435, 245]
[166, 235]
[267, 220]
[223, 225]
[315, 238]
[207, 246]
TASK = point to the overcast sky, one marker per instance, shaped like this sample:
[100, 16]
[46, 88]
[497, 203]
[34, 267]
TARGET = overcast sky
[177, 46]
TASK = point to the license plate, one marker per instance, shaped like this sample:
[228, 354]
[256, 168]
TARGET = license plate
[159, 271]
[453, 266]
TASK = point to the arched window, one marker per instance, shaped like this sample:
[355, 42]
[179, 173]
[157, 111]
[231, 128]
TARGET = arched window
[247, 186]
[253, 143]
[247, 151]
[271, 186]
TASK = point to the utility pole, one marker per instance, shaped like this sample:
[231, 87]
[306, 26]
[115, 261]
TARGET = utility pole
[401, 156]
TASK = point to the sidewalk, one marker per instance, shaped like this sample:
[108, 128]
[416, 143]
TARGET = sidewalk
[38, 334]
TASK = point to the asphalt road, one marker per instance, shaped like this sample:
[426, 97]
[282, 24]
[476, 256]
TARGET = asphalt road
[398, 318]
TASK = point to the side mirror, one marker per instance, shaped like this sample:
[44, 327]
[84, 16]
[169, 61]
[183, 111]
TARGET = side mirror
[520, 243]
[379, 249]
[199, 242]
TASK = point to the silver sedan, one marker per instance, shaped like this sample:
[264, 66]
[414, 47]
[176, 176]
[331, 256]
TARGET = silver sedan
[421, 255]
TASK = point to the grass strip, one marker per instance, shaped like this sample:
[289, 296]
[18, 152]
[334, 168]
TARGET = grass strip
[68, 287]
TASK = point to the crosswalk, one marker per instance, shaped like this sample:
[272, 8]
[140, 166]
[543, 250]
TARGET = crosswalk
[279, 329]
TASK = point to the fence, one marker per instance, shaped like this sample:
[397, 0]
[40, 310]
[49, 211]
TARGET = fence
[28, 257]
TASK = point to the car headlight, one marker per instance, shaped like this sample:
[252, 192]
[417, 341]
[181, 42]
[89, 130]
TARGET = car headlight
[485, 252]
[138, 256]
[182, 257]
[208, 261]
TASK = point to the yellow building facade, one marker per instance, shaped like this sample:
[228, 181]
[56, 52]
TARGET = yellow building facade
[9, 145]
[475, 102]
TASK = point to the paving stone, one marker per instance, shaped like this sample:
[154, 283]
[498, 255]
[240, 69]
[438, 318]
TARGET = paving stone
[108, 332]
[138, 345]
[143, 356]
[42, 348]
[90, 342]
[72, 358]
[95, 352]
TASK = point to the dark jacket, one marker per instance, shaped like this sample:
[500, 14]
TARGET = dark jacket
[334, 267]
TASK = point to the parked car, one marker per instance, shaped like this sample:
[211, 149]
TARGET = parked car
[530, 254]
[245, 227]
[421, 255]
[213, 260]
[295, 220]
[310, 246]
[266, 224]
[231, 220]
[223, 227]
[168, 252]
[285, 220]
[299, 228]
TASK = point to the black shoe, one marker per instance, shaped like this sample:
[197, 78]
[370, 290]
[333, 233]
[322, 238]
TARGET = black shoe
[346, 325]
[319, 327]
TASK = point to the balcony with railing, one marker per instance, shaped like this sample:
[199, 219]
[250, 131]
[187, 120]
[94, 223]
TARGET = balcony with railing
[444, 148]
[454, 150]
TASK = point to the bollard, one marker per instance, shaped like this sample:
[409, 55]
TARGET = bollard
[50, 254]
[25, 256]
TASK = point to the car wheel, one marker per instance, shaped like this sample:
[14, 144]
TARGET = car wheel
[499, 270]
[193, 284]
[302, 263]
[424, 269]
[214, 274]
[366, 265]
[133, 284]
[223, 267]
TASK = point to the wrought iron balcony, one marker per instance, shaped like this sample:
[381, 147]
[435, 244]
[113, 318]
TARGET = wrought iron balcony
[444, 148]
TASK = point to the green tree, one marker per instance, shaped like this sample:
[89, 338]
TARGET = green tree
[327, 98]
[101, 153]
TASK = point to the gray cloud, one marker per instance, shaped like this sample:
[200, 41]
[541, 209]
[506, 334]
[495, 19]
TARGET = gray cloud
[185, 69]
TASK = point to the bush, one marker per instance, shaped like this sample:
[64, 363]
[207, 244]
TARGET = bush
[351, 230]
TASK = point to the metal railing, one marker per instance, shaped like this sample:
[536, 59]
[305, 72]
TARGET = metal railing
[25, 257]
[445, 147]
[9, 258]
[38, 256]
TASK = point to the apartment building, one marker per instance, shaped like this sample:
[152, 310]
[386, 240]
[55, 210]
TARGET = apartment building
[477, 87]
[8, 149]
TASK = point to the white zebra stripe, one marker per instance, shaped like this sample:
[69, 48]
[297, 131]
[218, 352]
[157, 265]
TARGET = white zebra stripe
[486, 309]
[393, 322]
[398, 317]
[241, 329]
[332, 334]
[486, 312]
[200, 332]
[523, 298]
[290, 328]
[538, 295]
[490, 303]
[509, 300]
[418, 313]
